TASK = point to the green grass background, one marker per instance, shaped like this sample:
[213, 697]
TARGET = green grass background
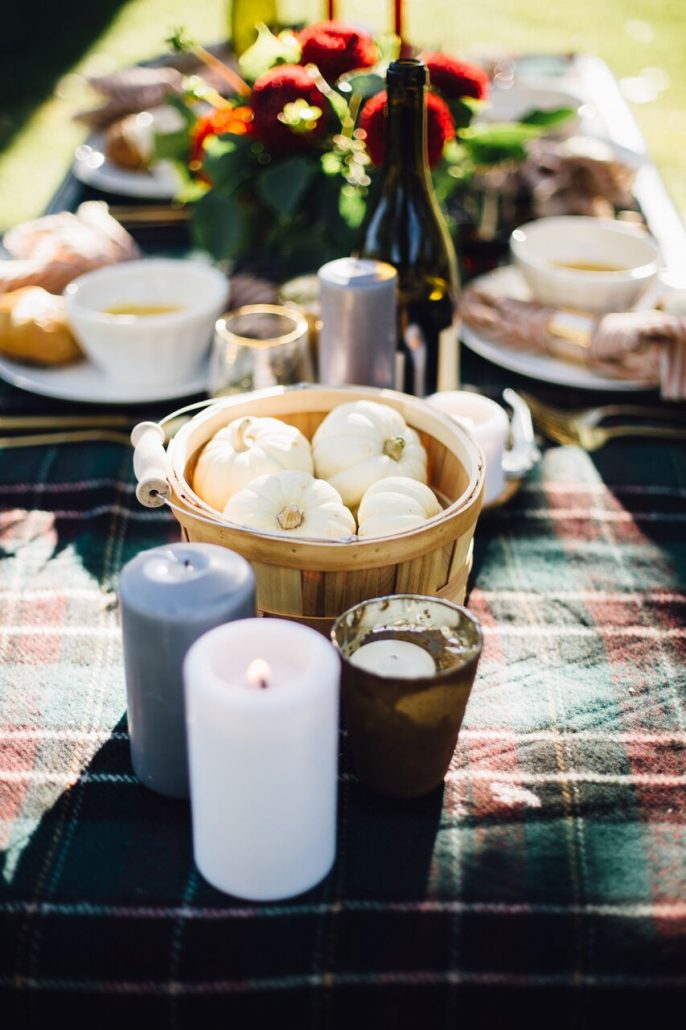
[45, 52]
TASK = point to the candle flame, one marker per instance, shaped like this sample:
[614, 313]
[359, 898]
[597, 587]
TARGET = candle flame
[257, 673]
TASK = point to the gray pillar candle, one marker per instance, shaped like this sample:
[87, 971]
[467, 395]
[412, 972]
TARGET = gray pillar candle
[359, 332]
[170, 596]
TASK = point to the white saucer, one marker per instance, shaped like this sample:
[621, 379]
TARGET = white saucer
[92, 167]
[85, 382]
[546, 369]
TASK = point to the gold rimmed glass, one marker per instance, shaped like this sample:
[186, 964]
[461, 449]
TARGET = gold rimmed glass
[258, 346]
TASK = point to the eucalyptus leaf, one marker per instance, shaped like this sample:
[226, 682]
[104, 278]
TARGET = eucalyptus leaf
[282, 186]
[268, 50]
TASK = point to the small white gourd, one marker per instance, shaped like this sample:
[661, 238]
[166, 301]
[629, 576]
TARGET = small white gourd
[292, 503]
[361, 442]
[245, 449]
[395, 505]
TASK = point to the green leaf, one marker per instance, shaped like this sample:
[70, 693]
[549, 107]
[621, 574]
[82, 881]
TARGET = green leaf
[228, 160]
[283, 185]
[339, 105]
[493, 144]
[352, 206]
[331, 163]
[189, 190]
[463, 111]
[267, 51]
[223, 224]
[188, 113]
[364, 84]
[389, 47]
[171, 146]
[546, 119]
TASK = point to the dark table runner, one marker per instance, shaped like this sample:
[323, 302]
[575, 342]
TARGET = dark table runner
[544, 884]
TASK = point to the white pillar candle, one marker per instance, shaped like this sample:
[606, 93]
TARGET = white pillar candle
[488, 424]
[262, 720]
[394, 658]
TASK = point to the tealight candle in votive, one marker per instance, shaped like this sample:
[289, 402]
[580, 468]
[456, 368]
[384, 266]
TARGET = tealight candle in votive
[488, 424]
[262, 711]
[409, 662]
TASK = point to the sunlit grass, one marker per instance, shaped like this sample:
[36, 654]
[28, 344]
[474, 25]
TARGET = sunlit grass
[631, 35]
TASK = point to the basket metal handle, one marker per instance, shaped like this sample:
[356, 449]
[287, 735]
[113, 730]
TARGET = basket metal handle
[150, 464]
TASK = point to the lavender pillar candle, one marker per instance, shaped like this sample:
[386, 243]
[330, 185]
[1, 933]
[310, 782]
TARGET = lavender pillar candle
[170, 596]
[359, 332]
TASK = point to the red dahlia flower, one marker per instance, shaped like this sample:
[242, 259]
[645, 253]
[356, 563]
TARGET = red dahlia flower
[439, 126]
[236, 120]
[280, 86]
[336, 48]
[456, 79]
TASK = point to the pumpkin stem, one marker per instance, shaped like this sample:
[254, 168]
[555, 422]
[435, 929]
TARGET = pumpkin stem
[290, 517]
[394, 447]
[240, 442]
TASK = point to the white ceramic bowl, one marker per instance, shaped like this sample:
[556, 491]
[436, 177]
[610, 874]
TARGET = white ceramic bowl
[626, 260]
[155, 349]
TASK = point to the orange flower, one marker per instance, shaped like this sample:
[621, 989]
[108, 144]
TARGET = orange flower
[236, 120]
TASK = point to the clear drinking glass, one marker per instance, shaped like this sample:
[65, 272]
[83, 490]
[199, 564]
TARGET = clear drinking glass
[402, 727]
[257, 346]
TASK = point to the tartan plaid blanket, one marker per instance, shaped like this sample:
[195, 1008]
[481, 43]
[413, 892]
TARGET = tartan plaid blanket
[550, 870]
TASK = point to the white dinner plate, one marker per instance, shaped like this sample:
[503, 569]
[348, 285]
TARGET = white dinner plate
[83, 381]
[537, 366]
[92, 167]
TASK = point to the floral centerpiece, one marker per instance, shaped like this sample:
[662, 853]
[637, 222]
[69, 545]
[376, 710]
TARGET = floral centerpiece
[281, 170]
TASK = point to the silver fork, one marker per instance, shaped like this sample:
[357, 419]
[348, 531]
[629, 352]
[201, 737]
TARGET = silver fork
[583, 426]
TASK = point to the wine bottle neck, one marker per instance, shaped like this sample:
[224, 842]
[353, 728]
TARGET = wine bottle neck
[405, 150]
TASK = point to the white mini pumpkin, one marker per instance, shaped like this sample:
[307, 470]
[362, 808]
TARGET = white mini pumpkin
[361, 442]
[395, 505]
[293, 503]
[245, 449]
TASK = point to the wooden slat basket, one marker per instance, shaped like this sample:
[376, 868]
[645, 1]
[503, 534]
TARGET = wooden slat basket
[313, 581]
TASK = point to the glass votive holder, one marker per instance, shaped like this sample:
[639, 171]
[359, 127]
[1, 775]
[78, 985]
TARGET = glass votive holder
[302, 293]
[258, 346]
[409, 663]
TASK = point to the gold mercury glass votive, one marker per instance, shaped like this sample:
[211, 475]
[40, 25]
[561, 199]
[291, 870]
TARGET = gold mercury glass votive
[259, 346]
[403, 724]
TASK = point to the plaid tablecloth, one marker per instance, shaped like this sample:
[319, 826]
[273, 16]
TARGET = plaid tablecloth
[546, 881]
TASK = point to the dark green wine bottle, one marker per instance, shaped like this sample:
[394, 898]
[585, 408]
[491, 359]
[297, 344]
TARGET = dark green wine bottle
[404, 226]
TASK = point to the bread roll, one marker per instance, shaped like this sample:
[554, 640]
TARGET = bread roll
[34, 328]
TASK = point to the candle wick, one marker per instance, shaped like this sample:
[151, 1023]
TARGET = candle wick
[257, 674]
[186, 563]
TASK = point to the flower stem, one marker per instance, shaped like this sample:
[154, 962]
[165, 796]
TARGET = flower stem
[238, 85]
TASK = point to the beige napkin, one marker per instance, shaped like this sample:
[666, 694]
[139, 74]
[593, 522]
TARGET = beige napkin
[638, 345]
[130, 90]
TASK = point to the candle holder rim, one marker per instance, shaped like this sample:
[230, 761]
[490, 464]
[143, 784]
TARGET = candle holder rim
[300, 326]
[438, 676]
